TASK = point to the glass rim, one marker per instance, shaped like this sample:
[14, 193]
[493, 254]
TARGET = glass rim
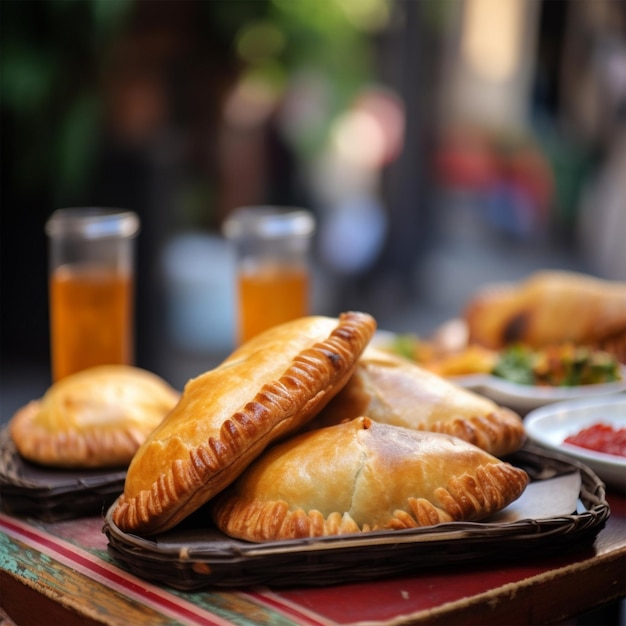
[268, 222]
[93, 223]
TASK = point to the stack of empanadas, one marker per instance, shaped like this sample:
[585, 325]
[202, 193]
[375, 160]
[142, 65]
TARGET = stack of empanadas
[550, 307]
[250, 439]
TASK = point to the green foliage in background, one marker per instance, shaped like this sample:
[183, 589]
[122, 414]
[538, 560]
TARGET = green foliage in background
[49, 89]
[53, 54]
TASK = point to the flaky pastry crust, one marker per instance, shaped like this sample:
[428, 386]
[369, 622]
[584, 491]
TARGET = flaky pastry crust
[393, 390]
[550, 307]
[361, 476]
[95, 418]
[269, 387]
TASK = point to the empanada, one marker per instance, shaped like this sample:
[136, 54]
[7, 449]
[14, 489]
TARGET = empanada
[97, 417]
[362, 476]
[269, 387]
[550, 307]
[393, 390]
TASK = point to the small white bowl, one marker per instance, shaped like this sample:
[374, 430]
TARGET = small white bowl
[550, 425]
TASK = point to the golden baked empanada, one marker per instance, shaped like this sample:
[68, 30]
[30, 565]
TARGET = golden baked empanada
[550, 307]
[393, 390]
[269, 387]
[97, 417]
[362, 476]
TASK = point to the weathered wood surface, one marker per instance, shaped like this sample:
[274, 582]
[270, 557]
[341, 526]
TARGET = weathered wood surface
[36, 582]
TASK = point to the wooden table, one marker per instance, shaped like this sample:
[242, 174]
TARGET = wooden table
[61, 573]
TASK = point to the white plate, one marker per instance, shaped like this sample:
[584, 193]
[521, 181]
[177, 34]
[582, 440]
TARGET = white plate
[528, 397]
[550, 425]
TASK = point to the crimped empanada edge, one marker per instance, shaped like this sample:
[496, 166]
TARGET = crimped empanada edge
[465, 498]
[500, 432]
[68, 449]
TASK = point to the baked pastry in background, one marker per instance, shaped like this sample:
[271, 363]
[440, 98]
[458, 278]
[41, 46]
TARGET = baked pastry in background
[95, 418]
[550, 307]
[393, 390]
[268, 388]
[361, 476]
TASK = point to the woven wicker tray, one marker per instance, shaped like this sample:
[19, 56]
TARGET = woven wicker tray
[194, 556]
[53, 494]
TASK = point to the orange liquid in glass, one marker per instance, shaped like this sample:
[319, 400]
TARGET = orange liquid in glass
[91, 318]
[269, 296]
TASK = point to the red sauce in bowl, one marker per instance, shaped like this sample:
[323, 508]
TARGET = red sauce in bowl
[600, 438]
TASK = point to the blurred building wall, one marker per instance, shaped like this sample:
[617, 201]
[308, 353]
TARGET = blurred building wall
[489, 64]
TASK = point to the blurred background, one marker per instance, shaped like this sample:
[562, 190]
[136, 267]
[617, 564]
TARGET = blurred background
[441, 144]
